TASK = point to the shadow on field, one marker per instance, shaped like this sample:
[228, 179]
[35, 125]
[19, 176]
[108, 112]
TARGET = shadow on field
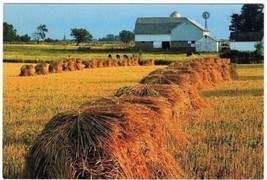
[248, 78]
[234, 92]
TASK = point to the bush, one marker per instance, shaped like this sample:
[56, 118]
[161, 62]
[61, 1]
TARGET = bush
[163, 61]
[242, 57]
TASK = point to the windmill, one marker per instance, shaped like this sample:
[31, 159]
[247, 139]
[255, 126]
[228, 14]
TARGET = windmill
[206, 15]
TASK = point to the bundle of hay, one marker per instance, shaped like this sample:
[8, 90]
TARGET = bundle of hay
[110, 63]
[202, 73]
[42, 68]
[70, 65]
[106, 141]
[225, 71]
[172, 93]
[183, 81]
[79, 65]
[194, 75]
[180, 80]
[176, 64]
[233, 71]
[105, 63]
[114, 63]
[207, 60]
[27, 70]
[214, 74]
[129, 62]
[100, 64]
[147, 62]
[122, 63]
[90, 64]
[56, 67]
[135, 62]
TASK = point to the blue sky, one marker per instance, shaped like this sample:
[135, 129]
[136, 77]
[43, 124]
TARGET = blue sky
[103, 19]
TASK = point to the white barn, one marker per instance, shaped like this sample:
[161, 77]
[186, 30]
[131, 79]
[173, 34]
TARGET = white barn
[175, 32]
[245, 41]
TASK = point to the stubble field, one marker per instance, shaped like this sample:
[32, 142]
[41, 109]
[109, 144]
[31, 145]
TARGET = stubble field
[226, 138]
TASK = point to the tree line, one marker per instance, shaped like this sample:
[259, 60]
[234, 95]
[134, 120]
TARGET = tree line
[79, 35]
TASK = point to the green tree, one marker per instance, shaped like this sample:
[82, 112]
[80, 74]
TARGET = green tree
[40, 33]
[9, 33]
[250, 19]
[81, 35]
[25, 38]
[259, 52]
[126, 36]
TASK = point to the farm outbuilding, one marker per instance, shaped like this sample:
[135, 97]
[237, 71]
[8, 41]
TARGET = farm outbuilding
[245, 41]
[174, 32]
[207, 44]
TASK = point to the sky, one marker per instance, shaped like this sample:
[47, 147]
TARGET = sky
[103, 19]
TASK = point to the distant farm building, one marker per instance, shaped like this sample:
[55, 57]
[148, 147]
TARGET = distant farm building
[245, 41]
[174, 32]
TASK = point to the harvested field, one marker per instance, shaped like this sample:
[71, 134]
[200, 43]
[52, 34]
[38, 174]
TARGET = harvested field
[156, 167]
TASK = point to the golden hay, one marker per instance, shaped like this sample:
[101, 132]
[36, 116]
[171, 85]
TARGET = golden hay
[214, 74]
[172, 93]
[135, 62]
[107, 141]
[122, 63]
[91, 64]
[110, 63]
[100, 64]
[129, 62]
[27, 70]
[79, 66]
[185, 83]
[233, 71]
[56, 67]
[225, 72]
[42, 68]
[147, 62]
[114, 63]
[70, 65]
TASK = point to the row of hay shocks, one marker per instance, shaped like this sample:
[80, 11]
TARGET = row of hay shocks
[73, 64]
[133, 134]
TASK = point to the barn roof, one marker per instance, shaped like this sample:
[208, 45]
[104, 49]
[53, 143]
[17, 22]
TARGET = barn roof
[246, 36]
[160, 25]
[208, 36]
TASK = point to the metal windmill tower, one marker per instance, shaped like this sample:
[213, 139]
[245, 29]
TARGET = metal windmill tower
[206, 16]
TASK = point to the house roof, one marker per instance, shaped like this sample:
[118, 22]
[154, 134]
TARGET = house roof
[246, 36]
[160, 25]
[213, 38]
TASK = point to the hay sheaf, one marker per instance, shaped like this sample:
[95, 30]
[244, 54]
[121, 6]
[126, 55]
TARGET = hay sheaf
[91, 64]
[42, 68]
[174, 95]
[27, 70]
[106, 141]
[147, 62]
[184, 82]
[233, 71]
[56, 67]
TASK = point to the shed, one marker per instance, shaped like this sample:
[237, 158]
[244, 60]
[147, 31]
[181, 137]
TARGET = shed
[245, 41]
[207, 44]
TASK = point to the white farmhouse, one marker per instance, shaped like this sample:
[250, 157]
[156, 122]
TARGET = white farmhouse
[174, 32]
[245, 41]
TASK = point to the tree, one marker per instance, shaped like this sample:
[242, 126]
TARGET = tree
[110, 37]
[250, 19]
[259, 52]
[25, 38]
[81, 35]
[40, 33]
[126, 36]
[9, 33]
